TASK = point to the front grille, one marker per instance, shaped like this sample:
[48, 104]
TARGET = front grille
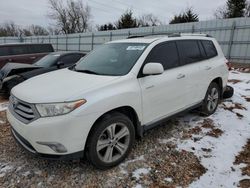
[23, 111]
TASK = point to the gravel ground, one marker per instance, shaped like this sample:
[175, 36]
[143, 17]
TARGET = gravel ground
[155, 161]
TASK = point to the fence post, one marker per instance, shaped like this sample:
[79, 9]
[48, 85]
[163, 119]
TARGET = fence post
[4, 40]
[79, 43]
[49, 38]
[230, 44]
[92, 41]
[193, 28]
[110, 36]
[66, 42]
[56, 42]
[153, 30]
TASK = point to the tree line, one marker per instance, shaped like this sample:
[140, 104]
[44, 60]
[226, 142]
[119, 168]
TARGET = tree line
[75, 17]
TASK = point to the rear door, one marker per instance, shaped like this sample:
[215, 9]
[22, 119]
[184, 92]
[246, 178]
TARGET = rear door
[162, 95]
[193, 63]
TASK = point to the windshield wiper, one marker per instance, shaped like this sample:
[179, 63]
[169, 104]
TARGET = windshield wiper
[87, 71]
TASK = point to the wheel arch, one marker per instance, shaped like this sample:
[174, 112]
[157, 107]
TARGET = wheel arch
[219, 81]
[129, 112]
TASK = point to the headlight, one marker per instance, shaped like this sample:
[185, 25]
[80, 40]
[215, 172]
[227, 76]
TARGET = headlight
[56, 109]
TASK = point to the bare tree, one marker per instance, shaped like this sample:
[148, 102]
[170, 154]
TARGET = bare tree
[72, 17]
[9, 29]
[247, 11]
[221, 12]
[146, 20]
[38, 30]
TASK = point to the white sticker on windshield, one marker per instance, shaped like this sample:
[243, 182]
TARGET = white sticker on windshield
[135, 48]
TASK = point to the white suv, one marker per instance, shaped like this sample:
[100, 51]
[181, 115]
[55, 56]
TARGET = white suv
[114, 94]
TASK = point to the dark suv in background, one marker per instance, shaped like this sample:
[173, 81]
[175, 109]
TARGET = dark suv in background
[23, 52]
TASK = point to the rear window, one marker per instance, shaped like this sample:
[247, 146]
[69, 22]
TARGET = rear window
[41, 48]
[209, 48]
[189, 51]
[4, 51]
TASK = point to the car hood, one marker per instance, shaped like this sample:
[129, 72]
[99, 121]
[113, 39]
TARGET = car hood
[15, 68]
[59, 86]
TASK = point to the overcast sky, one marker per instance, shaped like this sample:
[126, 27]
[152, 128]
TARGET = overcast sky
[27, 12]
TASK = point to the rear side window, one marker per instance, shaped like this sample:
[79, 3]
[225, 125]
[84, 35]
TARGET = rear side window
[209, 48]
[189, 51]
[41, 48]
[4, 51]
[166, 54]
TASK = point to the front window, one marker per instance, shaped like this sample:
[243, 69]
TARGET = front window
[115, 59]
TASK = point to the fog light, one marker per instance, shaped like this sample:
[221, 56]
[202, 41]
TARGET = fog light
[57, 147]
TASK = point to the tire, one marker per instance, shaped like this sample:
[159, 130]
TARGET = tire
[115, 147]
[211, 100]
[228, 93]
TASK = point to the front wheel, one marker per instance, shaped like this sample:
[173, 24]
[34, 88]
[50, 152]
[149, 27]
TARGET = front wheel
[212, 98]
[110, 140]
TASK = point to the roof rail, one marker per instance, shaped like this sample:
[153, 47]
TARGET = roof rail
[135, 36]
[170, 35]
[196, 34]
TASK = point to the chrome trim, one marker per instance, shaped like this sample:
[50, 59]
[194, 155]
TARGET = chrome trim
[23, 111]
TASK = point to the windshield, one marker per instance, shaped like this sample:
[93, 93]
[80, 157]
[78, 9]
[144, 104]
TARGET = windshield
[47, 61]
[115, 59]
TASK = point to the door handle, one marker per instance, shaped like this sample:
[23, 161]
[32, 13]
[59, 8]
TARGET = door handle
[180, 76]
[149, 87]
[208, 68]
[9, 59]
[32, 57]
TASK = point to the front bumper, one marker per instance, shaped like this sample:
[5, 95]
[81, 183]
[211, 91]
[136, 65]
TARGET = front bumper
[29, 148]
[68, 130]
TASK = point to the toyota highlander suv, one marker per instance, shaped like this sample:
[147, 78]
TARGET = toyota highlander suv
[121, 89]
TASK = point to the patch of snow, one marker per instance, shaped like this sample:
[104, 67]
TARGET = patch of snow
[138, 186]
[4, 106]
[26, 173]
[168, 179]
[125, 164]
[141, 171]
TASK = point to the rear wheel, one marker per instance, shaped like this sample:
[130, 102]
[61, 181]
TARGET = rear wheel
[110, 141]
[212, 98]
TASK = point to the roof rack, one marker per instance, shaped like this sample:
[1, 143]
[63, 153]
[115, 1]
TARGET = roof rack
[170, 35]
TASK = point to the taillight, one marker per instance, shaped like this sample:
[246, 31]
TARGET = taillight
[228, 64]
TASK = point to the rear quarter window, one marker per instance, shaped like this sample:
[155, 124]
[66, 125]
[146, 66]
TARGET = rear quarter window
[209, 48]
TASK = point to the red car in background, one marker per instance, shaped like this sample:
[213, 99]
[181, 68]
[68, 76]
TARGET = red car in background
[23, 52]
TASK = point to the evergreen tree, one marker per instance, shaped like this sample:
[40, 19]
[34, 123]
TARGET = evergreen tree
[126, 21]
[187, 16]
[235, 8]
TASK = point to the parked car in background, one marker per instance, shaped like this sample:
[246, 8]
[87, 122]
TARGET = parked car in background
[23, 52]
[121, 89]
[14, 73]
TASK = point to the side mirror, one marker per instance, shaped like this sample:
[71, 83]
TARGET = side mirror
[59, 64]
[153, 69]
